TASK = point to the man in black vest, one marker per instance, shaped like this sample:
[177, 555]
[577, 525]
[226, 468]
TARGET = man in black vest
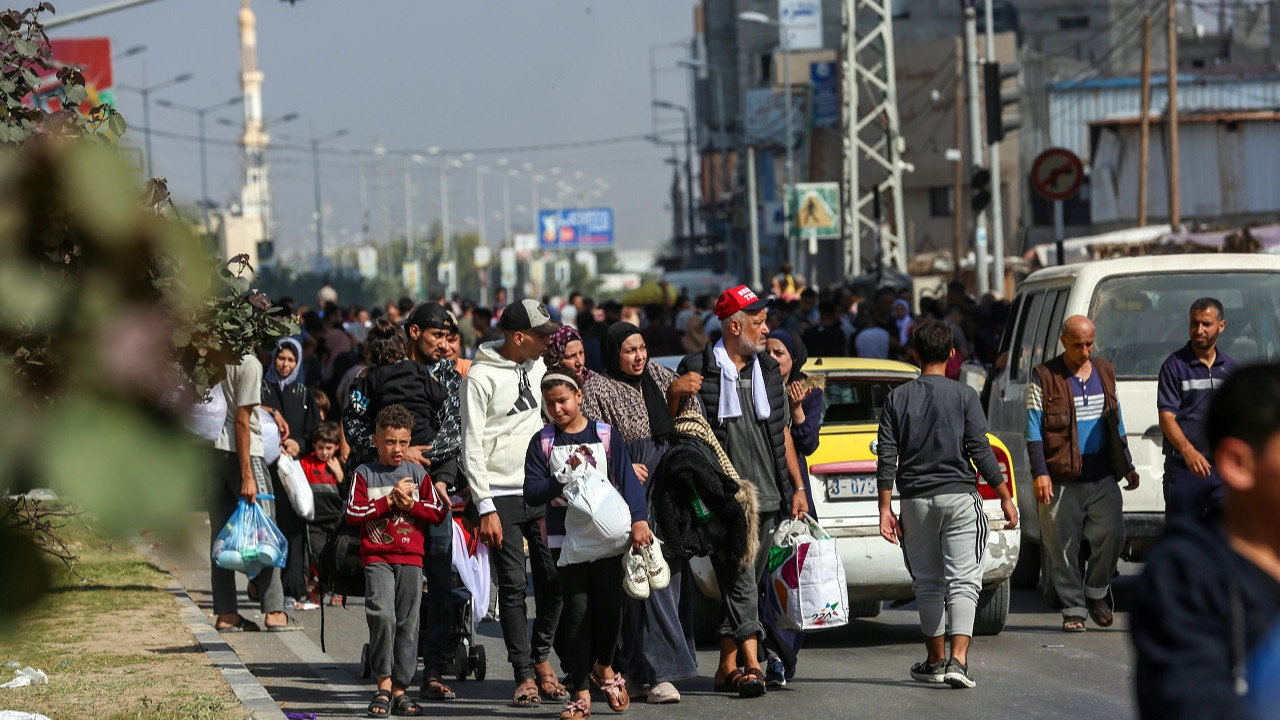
[745, 401]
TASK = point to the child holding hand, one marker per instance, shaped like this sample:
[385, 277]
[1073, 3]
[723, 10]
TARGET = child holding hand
[593, 591]
[393, 501]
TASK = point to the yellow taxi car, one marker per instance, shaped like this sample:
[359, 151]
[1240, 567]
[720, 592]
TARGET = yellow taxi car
[843, 486]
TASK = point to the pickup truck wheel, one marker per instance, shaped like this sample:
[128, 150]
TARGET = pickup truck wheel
[1026, 574]
[865, 608]
[993, 610]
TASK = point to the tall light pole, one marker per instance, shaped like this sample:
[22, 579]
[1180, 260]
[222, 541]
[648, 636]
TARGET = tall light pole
[449, 164]
[533, 202]
[506, 201]
[315, 164]
[688, 156]
[145, 91]
[408, 203]
[785, 42]
[722, 141]
[481, 171]
[204, 170]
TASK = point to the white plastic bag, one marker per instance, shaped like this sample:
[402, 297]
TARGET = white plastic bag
[205, 420]
[25, 677]
[597, 520]
[294, 479]
[270, 436]
[807, 585]
[474, 572]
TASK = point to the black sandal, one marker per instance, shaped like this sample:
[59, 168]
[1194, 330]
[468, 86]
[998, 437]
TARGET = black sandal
[405, 706]
[380, 705]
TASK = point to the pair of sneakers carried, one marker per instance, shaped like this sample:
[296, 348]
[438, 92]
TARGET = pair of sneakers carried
[644, 570]
[951, 671]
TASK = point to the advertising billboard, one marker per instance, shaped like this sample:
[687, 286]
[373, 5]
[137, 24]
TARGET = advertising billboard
[93, 57]
[575, 228]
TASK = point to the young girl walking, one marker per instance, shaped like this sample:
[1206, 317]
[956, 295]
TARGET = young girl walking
[593, 591]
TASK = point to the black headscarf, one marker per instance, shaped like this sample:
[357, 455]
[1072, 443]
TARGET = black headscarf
[799, 354]
[655, 401]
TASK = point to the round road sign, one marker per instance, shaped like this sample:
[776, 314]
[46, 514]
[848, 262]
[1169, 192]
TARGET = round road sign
[1057, 174]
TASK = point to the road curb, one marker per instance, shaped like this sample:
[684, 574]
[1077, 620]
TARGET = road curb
[251, 694]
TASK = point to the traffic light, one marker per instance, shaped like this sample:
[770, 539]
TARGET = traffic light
[996, 98]
[980, 184]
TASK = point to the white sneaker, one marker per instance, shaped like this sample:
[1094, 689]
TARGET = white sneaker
[663, 693]
[656, 565]
[635, 577]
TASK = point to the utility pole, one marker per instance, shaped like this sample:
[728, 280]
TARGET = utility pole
[753, 223]
[997, 203]
[957, 193]
[1175, 199]
[1144, 124]
[975, 146]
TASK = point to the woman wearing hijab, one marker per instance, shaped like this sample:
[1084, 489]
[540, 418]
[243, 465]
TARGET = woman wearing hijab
[805, 395]
[285, 397]
[902, 322]
[631, 395]
[566, 348]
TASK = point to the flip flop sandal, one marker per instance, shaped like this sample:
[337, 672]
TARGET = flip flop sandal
[433, 688]
[290, 625]
[405, 706]
[549, 688]
[525, 697]
[615, 692]
[751, 684]
[1073, 625]
[380, 705]
[241, 625]
[730, 682]
[1101, 613]
[575, 710]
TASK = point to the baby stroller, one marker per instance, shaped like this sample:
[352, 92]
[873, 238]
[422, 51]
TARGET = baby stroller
[463, 655]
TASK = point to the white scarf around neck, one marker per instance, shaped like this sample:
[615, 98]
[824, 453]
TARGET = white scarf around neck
[730, 405]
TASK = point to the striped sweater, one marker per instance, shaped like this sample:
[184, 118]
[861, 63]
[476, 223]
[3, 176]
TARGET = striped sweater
[387, 534]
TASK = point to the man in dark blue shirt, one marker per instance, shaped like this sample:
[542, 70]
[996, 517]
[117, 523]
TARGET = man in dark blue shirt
[1188, 378]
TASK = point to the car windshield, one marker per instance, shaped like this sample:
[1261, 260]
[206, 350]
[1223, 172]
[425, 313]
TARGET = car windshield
[852, 400]
[1141, 319]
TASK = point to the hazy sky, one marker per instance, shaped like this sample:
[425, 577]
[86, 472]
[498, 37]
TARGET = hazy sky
[463, 75]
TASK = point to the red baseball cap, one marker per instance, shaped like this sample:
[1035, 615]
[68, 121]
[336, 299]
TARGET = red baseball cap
[740, 298]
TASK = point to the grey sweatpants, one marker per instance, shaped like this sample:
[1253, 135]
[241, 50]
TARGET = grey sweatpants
[740, 587]
[944, 541]
[393, 597]
[1082, 511]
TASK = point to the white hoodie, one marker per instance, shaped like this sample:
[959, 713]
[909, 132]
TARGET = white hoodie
[501, 412]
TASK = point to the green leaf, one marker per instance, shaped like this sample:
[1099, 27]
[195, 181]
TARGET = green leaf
[181, 338]
[116, 124]
[25, 48]
[75, 94]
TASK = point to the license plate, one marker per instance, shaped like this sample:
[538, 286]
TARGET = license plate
[851, 487]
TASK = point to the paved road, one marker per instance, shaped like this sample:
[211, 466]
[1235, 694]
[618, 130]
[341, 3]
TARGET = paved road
[1030, 670]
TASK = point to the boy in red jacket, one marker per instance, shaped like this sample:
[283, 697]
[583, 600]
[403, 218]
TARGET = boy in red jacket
[393, 501]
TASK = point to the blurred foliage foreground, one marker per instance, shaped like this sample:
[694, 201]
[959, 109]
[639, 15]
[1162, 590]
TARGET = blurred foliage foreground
[114, 319]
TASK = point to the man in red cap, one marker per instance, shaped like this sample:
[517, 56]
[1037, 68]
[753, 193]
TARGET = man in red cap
[745, 401]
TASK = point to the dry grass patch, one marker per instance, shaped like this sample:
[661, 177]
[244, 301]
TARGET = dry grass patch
[113, 645]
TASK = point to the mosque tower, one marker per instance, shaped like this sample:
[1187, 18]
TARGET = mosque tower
[255, 196]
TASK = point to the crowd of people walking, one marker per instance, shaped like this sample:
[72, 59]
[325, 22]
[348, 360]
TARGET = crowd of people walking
[414, 423]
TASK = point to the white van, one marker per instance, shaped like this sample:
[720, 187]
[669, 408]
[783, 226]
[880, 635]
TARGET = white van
[1140, 309]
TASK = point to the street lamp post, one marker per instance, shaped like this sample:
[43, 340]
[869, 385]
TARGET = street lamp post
[204, 171]
[451, 163]
[722, 144]
[688, 156]
[315, 165]
[785, 41]
[506, 201]
[145, 91]
[481, 171]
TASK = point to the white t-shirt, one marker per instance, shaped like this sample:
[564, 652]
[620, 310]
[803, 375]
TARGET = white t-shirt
[569, 315]
[242, 388]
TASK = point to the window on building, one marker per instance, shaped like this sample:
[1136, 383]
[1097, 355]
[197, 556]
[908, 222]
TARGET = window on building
[1073, 22]
[942, 201]
[766, 69]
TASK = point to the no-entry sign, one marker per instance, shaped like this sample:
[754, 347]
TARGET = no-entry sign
[1057, 174]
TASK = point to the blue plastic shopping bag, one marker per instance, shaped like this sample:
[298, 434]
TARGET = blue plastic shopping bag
[250, 542]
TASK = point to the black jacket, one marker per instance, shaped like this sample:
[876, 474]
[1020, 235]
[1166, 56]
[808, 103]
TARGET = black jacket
[1200, 611]
[704, 363]
[406, 383]
[690, 466]
[297, 406]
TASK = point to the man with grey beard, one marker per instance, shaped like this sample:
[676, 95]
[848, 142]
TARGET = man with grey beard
[744, 399]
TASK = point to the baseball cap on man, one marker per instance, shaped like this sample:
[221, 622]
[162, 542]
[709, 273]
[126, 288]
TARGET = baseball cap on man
[430, 315]
[528, 315]
[740, 298]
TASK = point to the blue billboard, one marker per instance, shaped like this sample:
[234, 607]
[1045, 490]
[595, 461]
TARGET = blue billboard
[575, 228]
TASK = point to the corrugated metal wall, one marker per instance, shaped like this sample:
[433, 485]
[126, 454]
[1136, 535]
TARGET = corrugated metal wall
[1072, 106]
[1227, 169]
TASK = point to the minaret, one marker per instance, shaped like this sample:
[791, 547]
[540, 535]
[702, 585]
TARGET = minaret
[255, 197]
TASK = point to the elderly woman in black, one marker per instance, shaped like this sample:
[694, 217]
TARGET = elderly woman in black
[631, 395]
